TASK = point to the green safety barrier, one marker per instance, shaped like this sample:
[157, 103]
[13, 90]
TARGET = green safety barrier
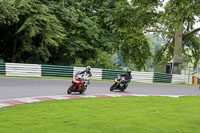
[111, 74]
[162, 78]
[57, 71]
[192, 79]
[2, 68]
[67, 71]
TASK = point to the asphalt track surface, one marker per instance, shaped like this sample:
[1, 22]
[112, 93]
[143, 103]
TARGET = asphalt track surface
[26, 87]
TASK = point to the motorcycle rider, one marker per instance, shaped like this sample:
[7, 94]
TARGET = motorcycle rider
[86, 73]
[127, 76]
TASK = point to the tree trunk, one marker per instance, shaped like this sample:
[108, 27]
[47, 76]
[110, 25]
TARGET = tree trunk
[178, 51]
[14, 52]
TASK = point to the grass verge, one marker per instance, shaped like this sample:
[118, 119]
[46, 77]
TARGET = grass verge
[105, 115]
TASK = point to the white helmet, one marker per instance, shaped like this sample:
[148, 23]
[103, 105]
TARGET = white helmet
[88, 68]
[129, 71]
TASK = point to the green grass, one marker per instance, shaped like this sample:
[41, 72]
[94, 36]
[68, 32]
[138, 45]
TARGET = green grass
[105, 115]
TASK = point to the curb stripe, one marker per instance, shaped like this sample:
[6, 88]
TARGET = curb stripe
[11, 102]
[44, 98]
[14, 102]
[102, 96]
[125, 95]
[20, 102]
[74, 96]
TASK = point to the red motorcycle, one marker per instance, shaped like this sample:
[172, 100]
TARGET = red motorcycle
[79, 84]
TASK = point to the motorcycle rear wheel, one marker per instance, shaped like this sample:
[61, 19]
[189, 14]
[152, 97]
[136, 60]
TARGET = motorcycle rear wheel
[123, 88]
[69, 91]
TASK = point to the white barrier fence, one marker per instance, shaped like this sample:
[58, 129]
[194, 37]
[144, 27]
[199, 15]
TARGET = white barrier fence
[35, 70]
[146, 77]
[18, 69]
[179, 78]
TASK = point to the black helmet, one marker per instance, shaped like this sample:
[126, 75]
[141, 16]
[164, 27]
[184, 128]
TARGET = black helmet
[88, 68]
[129, 71]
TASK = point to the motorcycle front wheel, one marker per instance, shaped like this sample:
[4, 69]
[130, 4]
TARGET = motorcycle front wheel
[112, 87]
[69, 91]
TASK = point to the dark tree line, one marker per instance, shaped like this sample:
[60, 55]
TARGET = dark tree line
[85, 32]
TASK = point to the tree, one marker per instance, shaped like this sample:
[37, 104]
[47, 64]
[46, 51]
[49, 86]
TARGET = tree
[128, 21]
[8, 18]
[61, 31]
[176, 23]
[39, 29]
[155, 45]
[104, 60]
[86, 31]
[34, 33]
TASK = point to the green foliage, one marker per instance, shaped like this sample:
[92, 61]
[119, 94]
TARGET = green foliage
[136, 49]
[104, 60]
[156, 43]
[40, 29]
[8, 13]
[178, 15]
[192, 50]
[74, 32]
[8, 18]
[128, 22]
[85, 33]
[34, 35]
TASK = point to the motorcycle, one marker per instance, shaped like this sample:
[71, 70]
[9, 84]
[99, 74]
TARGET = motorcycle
[119, 84]
[79, 84]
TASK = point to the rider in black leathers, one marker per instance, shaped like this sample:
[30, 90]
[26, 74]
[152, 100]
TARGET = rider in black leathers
[128, 77]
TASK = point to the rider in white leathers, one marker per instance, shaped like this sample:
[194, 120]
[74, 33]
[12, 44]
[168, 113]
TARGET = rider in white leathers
[86, 74]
